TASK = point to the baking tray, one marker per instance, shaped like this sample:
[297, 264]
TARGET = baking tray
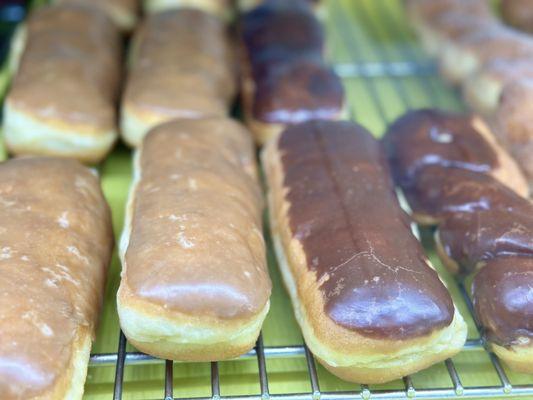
[385, 73]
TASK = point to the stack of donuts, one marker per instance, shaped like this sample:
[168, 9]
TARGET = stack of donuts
[491, 62]
[455, 175]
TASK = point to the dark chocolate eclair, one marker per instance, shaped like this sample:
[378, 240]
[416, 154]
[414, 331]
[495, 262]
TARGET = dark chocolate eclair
[503, 300]
[372, 271]
[298, 92]
[286, 78]
[438, 193]
[433, 137]
[460, 180]
[281, 31]
[472, 239]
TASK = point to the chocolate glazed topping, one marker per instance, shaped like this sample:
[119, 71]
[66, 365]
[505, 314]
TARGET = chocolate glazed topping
[284, 43]
[483, 224]
[371, 269]
[473, 238]
[503, 299]
[432, 137]
[441, 192]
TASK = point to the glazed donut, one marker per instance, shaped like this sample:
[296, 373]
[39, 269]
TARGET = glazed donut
[482, 90]
[62, 100]
[481, 224]
[518, 13]
[370, 306]
[437, 22]
[56, 240]
[465, 55]
[181, 66]
[220, 8]
[284, 77]
[124, 13]
[514, 119]
[195, 284]
[426, 137]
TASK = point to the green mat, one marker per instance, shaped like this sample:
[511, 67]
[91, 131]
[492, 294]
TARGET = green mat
[368, 37]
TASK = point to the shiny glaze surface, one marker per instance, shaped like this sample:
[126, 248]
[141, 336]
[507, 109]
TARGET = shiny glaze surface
[172, 70]
[482, 224]
[196, 245]
[284, 43]
[114, 8]
[372, 271]
[55, 247]
[298, 92]
[474, 238]
[69, 70]
[515, 121]
[433, 137]
[441, 192]
[503, 299]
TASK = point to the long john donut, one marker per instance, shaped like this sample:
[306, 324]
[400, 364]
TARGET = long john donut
[484, 227]
[370, 306]
[62, 99]
[56, 239]
[285, 78]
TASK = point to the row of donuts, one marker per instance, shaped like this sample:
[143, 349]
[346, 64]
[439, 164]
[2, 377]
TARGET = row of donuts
[195, 284]
[182, 63]
[56, 223]
[490, 61]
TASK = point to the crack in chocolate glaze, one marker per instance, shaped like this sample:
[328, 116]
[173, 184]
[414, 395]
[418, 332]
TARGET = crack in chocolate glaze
[371, 270]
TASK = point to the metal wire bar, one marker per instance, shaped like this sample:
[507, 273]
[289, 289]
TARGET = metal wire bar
[263, 377]
[313, 377]
[169, 378]
[119, 370]
[215, 381]
[456, 381]
[410, 390]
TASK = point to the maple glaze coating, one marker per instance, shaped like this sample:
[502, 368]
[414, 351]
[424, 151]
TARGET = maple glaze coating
[69, 70]
[182, 66]
[196, 245]
[55, 247]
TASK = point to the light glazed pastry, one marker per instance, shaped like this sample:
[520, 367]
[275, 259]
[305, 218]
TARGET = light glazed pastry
[220, 8]
[518, 13]
[195, 283]
[428, 137]
[370, 306]
[465, 55]
[437, 22]
[124, 13]
[285, 79]
[56, 240]
[484, 227]
[514, 119]
[482, 90]
[63, 98]
[182, 66]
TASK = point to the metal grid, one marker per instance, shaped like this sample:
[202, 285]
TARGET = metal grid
[411, 66]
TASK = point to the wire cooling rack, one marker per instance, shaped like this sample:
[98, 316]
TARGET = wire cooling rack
[395, 64]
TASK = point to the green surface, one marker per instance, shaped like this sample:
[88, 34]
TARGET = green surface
[359, 31]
